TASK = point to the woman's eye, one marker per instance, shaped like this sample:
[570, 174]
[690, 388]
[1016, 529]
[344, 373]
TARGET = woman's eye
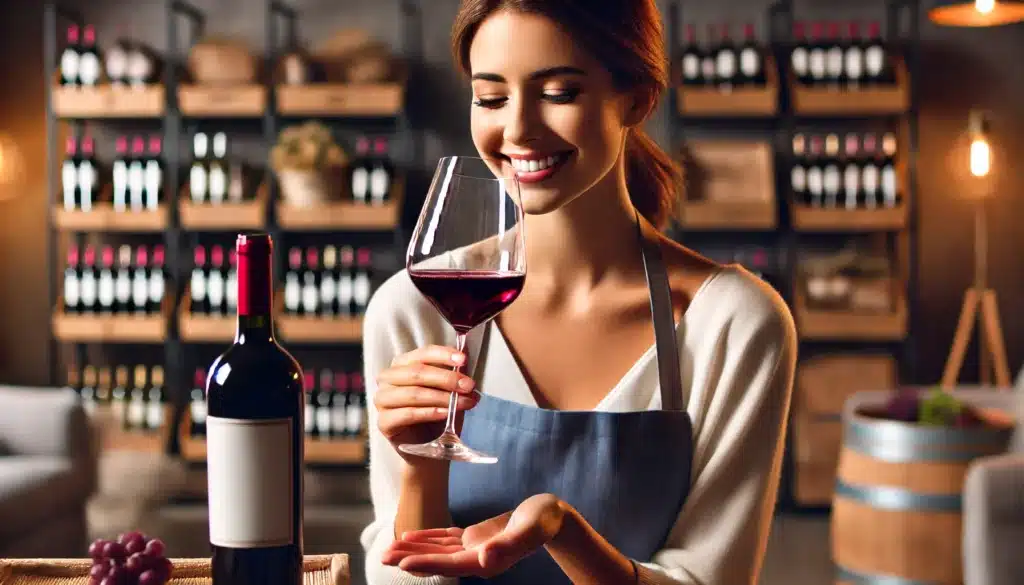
[490, 103]
[561, 97]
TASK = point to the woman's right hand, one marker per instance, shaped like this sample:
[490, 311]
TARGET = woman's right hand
[412, 395]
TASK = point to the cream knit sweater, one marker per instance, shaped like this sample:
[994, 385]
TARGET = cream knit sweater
[737, 347]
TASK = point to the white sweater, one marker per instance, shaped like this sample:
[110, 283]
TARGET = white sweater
[737, 346]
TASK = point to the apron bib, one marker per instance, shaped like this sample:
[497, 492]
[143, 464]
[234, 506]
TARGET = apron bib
[627, 473]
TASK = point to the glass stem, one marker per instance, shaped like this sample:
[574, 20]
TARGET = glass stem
[449, 425]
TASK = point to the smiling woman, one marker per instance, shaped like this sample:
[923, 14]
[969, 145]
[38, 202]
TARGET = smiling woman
[618, 461]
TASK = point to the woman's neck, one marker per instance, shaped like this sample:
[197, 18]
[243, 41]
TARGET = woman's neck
[590, 240]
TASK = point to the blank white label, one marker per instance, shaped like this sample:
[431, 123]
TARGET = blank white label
[250, 471]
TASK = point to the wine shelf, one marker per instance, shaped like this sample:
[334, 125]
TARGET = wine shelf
[319, 330]
[345, 215]
[105, 101]
[114, 437]
[229, 101]
[246, 215]
[830, 325]
[867, 101]
[811, 219]
[86, 328]
[103, 218]
[729, 215]
[341, 99]
[738, 102]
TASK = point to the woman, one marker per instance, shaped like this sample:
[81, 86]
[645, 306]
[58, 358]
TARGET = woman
[619, 461]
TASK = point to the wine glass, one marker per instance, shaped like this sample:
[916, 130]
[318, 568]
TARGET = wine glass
[468, 258]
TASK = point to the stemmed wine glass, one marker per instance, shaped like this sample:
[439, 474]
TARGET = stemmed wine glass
[468, 258]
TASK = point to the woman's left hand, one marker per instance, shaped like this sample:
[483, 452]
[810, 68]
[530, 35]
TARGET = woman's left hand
[485, 549]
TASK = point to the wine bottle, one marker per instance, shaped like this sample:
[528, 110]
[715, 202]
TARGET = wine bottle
[323, 404]
[815, 179]
[89, 64]
[155, 412]
[140, 281]
[69, 174]
[355, 408]
[851, 173]
[834, 56]
[87, 281]
[197, 406]
[875, 56]
[346, 281]
[215, 282]
[292, 286]
[217, 175]
[136, 417]
[751, 59]
[197, 283]
[329, 282]
[870, 172]
[119, 174]
[725, 62]
[887, 177]
[72, 282]
[339, 418]
[853, 60]
[707, 64]
[798, 59]
[231, 283]
[137, 174]
[119, 396]
[70, 58]
[831, 180]
[254, 440]
[381, 173]
[157, 286]
[816, 57]
[361, 290]
[153, 174]
[105, 285]
[798, 172]
[310, 286]
[359, 179]
[88, 392]
[123, 280]
[197, 175]
[88, 175]
[691, 59]
[309, 415]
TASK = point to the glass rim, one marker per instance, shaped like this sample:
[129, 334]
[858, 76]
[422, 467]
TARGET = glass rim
[441, 162]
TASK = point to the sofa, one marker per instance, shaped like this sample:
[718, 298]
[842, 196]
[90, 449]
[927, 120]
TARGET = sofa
[993, 510]
[48, 471]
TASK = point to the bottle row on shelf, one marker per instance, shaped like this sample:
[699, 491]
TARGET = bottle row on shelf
[824, 58]
[134, 284]
[125, 63]
[855, 172]
[137, 403]
[136, 177]
[328, 283]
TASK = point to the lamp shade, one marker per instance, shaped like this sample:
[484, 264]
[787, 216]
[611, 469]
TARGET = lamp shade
[976, 13]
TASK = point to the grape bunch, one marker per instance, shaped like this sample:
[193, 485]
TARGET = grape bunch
[132, 559]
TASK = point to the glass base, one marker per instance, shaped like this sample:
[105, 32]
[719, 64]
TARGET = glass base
[448, 447]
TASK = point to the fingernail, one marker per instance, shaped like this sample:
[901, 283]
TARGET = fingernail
[466, 383]
[458, 358]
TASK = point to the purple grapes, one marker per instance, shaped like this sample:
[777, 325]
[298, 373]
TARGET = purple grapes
[132, 559]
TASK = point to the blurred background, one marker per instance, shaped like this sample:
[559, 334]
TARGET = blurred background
[859, 156]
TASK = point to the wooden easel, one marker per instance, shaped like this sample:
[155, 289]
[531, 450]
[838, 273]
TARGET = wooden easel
[979, 305]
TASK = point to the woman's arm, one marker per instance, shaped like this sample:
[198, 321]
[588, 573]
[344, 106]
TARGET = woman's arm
[740, 428]
[402, 498]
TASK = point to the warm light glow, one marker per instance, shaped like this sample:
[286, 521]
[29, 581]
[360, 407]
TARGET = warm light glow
[981, 157]
[984, 6]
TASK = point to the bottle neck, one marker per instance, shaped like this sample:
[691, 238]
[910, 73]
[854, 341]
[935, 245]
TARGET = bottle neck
[255, 299]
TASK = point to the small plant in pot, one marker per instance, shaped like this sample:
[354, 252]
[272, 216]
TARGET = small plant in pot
[933, 407]
[309, 164]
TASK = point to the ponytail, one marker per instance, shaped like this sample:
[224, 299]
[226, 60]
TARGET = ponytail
[652, 177]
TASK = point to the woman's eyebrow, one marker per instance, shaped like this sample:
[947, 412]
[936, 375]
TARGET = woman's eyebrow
[539, 74]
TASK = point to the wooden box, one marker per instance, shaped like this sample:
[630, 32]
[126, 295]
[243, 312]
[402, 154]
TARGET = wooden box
[103, 218]
[105, 101]
[869, 100]
[96, 328]
[247, 215]
[203, 328]
[738, 102]
[341, 99]
[312, 329]
[222, 101]
[345, 215]
[837, 325]
[730, 186]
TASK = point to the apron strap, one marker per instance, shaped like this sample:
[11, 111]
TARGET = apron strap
[663, 317]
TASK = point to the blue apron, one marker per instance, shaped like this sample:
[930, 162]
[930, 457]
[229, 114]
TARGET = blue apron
[627, 473]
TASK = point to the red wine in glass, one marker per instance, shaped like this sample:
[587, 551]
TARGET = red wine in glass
[467, 298]
[467, 256]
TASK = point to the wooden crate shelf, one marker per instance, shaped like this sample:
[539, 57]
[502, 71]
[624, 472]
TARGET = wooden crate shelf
[813, 219]
[729, 215]
[227, 101]
[319, 330]
[738, 102]
[341, 99]
[829, 325]
[345, 215]
[96, 328]
[103, 218]
[247, 215]
[869, 100]
[105, 101]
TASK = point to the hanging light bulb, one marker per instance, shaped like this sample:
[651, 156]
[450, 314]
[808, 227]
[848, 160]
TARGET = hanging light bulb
[981, 149]
[976, 13]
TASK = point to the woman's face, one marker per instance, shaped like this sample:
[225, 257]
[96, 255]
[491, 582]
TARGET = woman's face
[543, 109]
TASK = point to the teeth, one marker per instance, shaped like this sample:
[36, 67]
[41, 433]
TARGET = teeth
[532, 166]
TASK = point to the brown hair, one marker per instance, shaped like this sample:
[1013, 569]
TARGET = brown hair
[626, 37]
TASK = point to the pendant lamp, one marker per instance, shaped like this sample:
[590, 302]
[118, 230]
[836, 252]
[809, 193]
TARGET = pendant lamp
[976, 13]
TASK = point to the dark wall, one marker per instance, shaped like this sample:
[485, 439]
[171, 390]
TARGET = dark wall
[961, 69]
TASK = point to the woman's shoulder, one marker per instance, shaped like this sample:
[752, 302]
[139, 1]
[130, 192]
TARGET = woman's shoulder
[736, 300]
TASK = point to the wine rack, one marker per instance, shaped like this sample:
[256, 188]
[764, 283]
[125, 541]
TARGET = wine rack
[178, 107]
[772, 111]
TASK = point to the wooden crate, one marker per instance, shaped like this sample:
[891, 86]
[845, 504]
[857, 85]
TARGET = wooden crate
[103, 218]
[345, 215]
[217, 101]
[731, 186]
[341, 99]
[824, 382]
[95, 328]
[203, 328]
[869, 100]
[738, 102]
[848, 325]
[105, 101]
[247, 215]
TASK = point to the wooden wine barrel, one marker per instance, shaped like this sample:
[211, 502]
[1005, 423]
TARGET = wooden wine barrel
[896, 512]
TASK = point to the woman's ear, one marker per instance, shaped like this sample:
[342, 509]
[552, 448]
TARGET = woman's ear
[637, 105]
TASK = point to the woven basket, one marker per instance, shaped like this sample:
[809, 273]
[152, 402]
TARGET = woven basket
[301, 188]
[221, 61]
[318, 570]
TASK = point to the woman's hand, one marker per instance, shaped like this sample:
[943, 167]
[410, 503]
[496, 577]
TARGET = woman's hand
[485, 549]
[412, 395]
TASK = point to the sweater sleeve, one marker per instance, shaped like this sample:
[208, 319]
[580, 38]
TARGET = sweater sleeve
[393, 325]
[740, 419]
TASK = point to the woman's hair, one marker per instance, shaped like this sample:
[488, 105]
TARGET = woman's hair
[626, 37]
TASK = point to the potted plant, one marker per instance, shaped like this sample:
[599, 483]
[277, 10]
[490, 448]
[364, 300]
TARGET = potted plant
[309, 165]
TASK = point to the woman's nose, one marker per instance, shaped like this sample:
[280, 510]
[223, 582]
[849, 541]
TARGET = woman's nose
[521, 125]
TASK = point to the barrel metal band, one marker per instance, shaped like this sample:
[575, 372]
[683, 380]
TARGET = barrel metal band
[890, 441]
[890, 498]
[846, 575]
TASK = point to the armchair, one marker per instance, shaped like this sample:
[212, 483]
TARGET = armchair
[48, 470]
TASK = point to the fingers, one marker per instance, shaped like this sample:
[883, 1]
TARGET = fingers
[431, 354]
[417, 396]
[457, 564]
[431, 533]
[393, 421]
[422, 374]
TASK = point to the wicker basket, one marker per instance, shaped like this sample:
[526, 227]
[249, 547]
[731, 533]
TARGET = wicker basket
[221, 61]
[310, 188]
[318, 570]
